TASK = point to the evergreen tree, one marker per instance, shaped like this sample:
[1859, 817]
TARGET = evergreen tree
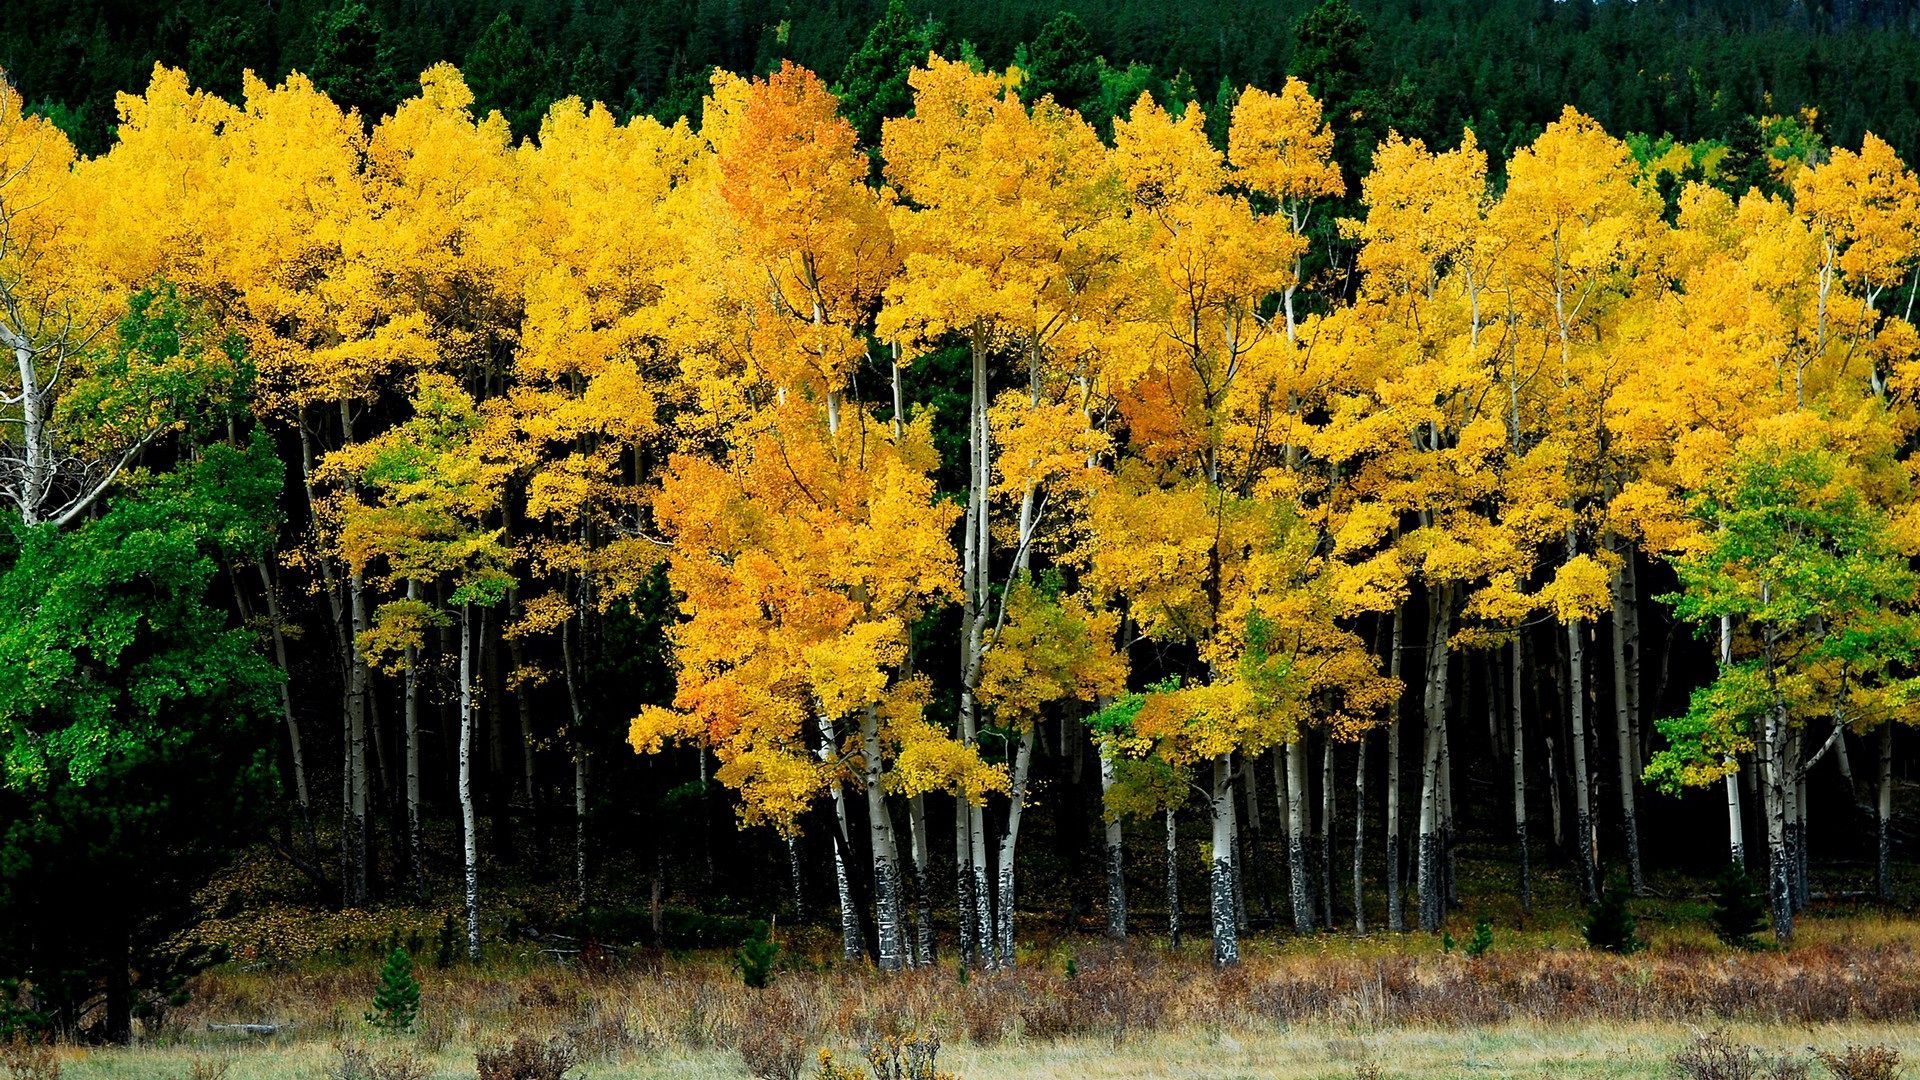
[1062, 62]
[396, 1000]
[873, 84]
[1610, 926]
[1739, 907]
[353, 62]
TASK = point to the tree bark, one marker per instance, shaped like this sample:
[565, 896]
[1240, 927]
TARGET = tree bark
[923, 947]
[1883, 819]
[1226, 935]
[889, 911]
[1431, 853]
[1300, 872]
[1116, 858]
[1396, 912]
[470, 849]
[1626, 673]
[852, 946]
[1736, 824]
[1360, 835]
[1323, 840]
[1577, 738]
[1016, 803]
[1173, 878]
[410, 722]
[1519, 750]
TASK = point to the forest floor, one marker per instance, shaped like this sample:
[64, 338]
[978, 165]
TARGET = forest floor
[1328, 1006]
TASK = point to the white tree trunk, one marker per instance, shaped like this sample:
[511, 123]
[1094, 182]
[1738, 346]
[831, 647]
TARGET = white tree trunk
[1736, 824]
[1626, 668]
[1226, 934]
[923, 949]
[1519, 751]
[1360, 836]
[411, 723]
[851, 945]
[1116, 858]
[1016, 802]
[1396, 912]
[1173, 878]
[1582, 791]
[470, 849]
[889, 911]
[1883, 818]
[1300, 871]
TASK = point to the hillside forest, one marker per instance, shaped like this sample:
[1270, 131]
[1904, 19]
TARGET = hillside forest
[974, 487]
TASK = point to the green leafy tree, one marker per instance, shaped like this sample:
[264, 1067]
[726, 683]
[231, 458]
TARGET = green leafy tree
[1806, 574]
[134, 719]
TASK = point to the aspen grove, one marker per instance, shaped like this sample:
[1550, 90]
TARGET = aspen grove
[1172, 450]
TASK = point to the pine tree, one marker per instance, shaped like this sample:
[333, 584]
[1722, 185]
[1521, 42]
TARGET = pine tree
[1610, 926]
[396, 1001]
[1739, 907]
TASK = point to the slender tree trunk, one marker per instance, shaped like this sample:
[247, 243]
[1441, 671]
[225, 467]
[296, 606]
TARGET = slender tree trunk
[1360, 835]
[796, 880]
[1450, 893]
[1736, 825]
[1173, 878]
[1396, 913]
[1775, 793]
[1432, 852]
[1577, 737]
[963, 879]
[470, 848]
[1519, 750]
[1226, 934]
[1883, 819]
[1299, 869]
[1016, 802]
[923, 948]
[1626, 670]
[577, 735]
[889, 913]
[1116, 858]
[297, 757]
[852, 946]
[410, 709]
[1323, 842]
[355, 824]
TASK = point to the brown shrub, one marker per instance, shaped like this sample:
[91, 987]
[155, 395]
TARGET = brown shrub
[28, 1058]
[525, 1058]
[357, 1061]
[1714, 1056]
[1862, 1062]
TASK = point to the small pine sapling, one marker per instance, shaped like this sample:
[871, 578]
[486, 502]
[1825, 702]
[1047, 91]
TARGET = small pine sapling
[396, 1001]
[1610, 926]
[1739, 908]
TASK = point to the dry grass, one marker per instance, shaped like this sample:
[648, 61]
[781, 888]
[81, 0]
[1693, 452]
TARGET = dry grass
[1295, 1009]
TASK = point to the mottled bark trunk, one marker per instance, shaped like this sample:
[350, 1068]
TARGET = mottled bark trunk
[1577, 739]
[963, 880]
[1360, 836]
[1116, 858]
[1299, 829]
[923, 947]
[470, 849]
[1396, 911]
[1775, 792]
[1323, 839]
[888, 908]
[410, 723]
[1626, 672]
[355, 859]
[1173, 878]
[1016, 804]
[1883, 819]
[1519, 750]
[1226, 934]
[1736, 824]
[1432, 853]
[852, 947]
